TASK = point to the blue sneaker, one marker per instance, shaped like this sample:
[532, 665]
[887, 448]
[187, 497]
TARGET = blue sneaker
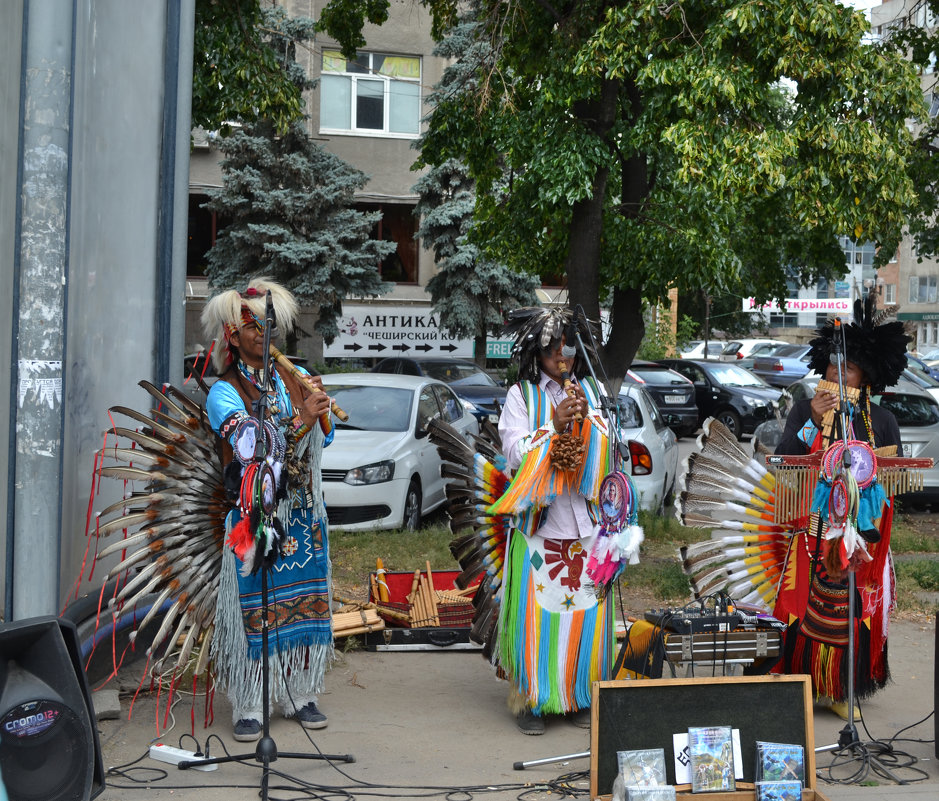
[311, 718]
[247, 730]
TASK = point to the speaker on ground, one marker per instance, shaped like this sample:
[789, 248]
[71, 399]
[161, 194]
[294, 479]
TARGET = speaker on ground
[49, 748]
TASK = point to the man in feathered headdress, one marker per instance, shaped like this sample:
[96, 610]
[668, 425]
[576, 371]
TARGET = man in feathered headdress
[555, 637]
[873, 352]
[294, 547]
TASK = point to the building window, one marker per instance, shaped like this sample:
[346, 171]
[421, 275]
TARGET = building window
[890, 294]
[374, 95]
[922, 289]
[399, 225]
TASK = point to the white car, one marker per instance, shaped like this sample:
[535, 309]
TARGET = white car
[381, 471]
[649, 447]
[745, 348]
[695, 350]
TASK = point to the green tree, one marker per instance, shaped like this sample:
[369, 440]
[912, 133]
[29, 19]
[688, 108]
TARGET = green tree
[290, 206]
[646, 147]
[471, 293]
[244, 65]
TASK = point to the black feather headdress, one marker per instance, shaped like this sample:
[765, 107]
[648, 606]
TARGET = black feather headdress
[537, 329]
[873, 343]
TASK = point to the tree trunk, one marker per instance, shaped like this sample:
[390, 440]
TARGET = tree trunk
[627, 328]
[479, 349]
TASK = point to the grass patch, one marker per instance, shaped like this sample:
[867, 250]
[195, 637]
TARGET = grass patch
[907, 538]
[914, 578]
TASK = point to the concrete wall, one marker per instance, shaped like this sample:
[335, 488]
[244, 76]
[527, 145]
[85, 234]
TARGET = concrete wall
[100, 262]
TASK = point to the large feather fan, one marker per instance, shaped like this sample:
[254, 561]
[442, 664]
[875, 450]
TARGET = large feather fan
[170, 524]
[725, 488]
[476, 481]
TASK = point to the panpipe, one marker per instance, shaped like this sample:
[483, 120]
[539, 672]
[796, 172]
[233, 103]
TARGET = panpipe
[853, 394]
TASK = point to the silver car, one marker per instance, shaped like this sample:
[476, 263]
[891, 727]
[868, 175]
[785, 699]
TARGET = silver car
[649, 447]
[916, 412]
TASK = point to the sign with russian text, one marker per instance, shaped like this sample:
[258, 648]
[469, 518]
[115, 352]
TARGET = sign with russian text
[796, 305]
[367, 331]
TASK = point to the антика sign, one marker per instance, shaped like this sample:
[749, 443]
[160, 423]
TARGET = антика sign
[378, 331]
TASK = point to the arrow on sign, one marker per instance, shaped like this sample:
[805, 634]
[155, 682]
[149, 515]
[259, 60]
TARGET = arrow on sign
[376, 347]
[402, 347]
[353, 347]
[424, 348]
[450, 348]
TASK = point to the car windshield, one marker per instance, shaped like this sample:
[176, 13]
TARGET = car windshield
[789, 350]
[910, 410]
[373, 408]
[730, 375]
[457, 371]
[917, 374]
[932, 356]
[652, 376]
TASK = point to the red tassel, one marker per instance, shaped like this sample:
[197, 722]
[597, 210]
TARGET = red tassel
[241, 538]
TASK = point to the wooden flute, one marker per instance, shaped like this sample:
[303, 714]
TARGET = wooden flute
[288, 365]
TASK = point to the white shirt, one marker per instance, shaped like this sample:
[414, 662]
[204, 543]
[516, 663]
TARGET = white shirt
[567, 517]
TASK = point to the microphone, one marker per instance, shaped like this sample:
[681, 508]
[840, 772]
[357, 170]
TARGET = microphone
[836, 354]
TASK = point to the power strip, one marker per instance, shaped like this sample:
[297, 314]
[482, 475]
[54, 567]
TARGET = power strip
[167, 753]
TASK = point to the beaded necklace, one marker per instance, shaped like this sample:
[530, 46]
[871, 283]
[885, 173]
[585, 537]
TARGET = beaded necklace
[277, 402]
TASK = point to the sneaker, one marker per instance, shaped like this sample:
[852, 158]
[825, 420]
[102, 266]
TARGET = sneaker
[247, 730]
[529, 723]
[311, 718]
[581, 718]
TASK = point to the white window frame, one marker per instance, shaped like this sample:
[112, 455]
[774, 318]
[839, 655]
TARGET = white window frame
[371, 75]
[890, 294]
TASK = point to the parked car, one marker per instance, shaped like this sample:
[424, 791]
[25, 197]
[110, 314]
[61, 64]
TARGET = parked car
[381, 471]
[786, 365]
[921, 378]
[736, 397]
[649, 446]
[695, 350]
[917, 414]
[466, 378]
[915, 361]
[672, 393]
[743, 348]
[760, 352]
[931, 357]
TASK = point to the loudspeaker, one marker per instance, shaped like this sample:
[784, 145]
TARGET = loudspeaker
[49, 748]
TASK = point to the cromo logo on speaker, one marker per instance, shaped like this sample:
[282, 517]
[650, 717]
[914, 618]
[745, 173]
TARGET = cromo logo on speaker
[30, 721]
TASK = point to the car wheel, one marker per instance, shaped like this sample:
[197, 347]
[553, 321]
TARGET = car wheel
[732, 420]
[412, 507]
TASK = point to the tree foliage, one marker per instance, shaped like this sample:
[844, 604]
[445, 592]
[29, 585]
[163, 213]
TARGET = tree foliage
[244, 65]
[648, 146]
[290, 205]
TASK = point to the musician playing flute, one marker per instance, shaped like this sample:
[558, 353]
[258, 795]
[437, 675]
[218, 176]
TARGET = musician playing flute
[554, 637]
[300, 641]
[874, 356]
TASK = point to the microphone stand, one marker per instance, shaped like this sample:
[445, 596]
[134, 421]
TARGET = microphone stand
[266, 751]
[848, 739]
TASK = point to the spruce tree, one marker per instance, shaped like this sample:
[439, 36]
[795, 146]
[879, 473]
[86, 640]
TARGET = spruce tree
[470, 293]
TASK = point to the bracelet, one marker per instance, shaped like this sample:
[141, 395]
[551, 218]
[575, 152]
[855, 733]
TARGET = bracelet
[303, 429]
